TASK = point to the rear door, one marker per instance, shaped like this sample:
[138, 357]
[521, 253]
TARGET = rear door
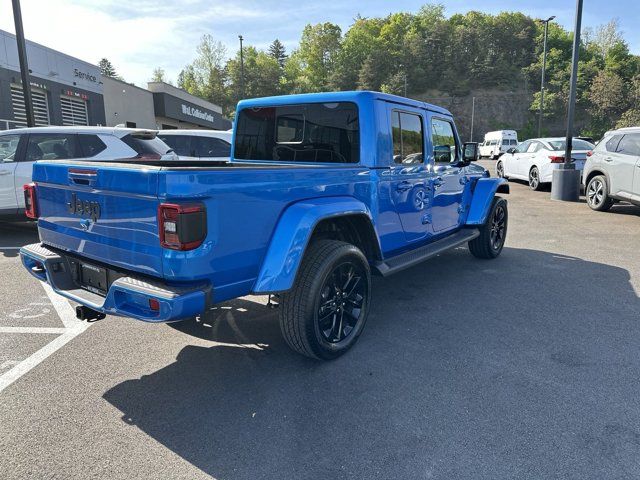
[448, 182]
[105, 213]
[10, 148]
[621, 164]
[407, 174]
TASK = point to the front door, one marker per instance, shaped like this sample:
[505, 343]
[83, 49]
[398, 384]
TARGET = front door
[8, 162]
[448, 182]
[408, 173]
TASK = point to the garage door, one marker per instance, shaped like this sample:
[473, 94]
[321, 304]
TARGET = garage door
[74, 111]
[40, 105]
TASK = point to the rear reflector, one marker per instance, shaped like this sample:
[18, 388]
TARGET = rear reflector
[31, 207]
[182, 227]
[154, 304]
[556, 159]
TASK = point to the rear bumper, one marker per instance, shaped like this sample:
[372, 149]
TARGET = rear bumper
[127, 296]
[546, 174]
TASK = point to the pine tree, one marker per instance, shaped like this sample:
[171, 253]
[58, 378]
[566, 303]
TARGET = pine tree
[277, 51]
[107, 69]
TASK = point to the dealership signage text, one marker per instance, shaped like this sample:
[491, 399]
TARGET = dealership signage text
[84, 76]
[197, 113]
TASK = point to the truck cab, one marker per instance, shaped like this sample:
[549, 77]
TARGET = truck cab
[322, 191]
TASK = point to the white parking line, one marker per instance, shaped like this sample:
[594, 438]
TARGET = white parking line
[32, 330]
[73, 328]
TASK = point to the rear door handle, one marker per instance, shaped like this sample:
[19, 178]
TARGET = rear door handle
[403, 186]
[608, 159]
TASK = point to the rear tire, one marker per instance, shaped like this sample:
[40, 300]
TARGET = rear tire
[500, 169]
[597, 193]
[534, 179]
[493, 233]
[324, 313]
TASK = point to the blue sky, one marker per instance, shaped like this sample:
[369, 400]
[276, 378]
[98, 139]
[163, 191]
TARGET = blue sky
[139, 35]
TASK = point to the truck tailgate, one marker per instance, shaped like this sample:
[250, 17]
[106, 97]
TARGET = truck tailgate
[104, 212]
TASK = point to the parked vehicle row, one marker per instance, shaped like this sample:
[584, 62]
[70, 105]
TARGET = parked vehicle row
[21, 148]
[535, 160]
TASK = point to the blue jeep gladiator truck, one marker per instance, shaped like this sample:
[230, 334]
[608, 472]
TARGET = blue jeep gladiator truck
[322, 191]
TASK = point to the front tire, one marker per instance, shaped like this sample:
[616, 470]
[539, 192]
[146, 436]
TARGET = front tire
[324, 313]
[597, 193]
[493, 233]
[534, 179]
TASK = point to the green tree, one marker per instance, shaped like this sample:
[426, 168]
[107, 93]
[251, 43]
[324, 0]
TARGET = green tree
[317, 54]
[261, 74]
[159, 75]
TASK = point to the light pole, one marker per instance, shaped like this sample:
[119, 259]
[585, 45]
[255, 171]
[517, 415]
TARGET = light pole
[544, 67]
[473, 114]
[24, 65]
[565, 183]
[241, 69]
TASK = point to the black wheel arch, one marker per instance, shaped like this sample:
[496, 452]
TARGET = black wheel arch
[355, 229]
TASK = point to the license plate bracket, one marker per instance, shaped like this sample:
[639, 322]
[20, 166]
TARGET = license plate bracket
[93, 278]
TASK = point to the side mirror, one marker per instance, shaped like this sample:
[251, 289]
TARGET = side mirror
[511, 151]
[470, 152]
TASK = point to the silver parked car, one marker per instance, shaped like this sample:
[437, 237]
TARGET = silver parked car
[612, 170]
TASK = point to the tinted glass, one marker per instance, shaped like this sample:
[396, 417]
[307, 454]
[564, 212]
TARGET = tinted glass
[210, 147]
[505, 142]
[630, 144]
[181, 144]
[145, 145]
[91, 145]
[8, 147]
[408, 139]
[51, 146]
[330, 133]
[513, 142]
[443, 136]
[612, 143]
[577, 144]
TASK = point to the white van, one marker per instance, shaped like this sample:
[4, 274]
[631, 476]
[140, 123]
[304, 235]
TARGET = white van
[498, 142]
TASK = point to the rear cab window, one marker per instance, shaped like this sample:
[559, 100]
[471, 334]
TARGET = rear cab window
[305, 133]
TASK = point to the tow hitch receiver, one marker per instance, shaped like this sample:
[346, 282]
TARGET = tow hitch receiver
[88, 314]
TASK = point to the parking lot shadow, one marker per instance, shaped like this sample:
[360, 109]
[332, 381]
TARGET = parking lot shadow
[15, 234]
[521, 367]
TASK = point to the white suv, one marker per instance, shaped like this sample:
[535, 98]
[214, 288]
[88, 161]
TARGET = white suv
[21, 147]
[612, 170]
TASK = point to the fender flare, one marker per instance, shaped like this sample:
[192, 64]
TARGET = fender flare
[291, 236]
[484, 191]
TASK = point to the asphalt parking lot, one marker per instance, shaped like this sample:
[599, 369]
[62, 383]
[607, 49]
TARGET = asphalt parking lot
[527, 366]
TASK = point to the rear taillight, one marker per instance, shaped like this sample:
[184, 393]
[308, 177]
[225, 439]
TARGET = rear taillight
[556, 159]
[30, 204]
[182, 227]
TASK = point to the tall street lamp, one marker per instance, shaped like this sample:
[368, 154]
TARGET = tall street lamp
[544, 67]
[241, 68]
[565, 184]
[24, 66]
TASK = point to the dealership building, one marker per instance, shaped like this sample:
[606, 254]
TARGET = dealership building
[69, 91]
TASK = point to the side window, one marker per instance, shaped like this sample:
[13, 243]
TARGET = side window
[533, 147]
[612, 143]
[445, 148]
[505, 141]
[523, 147]
[513, 142]
[408, 138]
[211, 147]
[630, 144]
[181, 144]
[51, 146]
[90, 145]
[8, 147]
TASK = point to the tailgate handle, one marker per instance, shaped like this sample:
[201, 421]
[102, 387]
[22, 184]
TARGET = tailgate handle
[79, 176]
